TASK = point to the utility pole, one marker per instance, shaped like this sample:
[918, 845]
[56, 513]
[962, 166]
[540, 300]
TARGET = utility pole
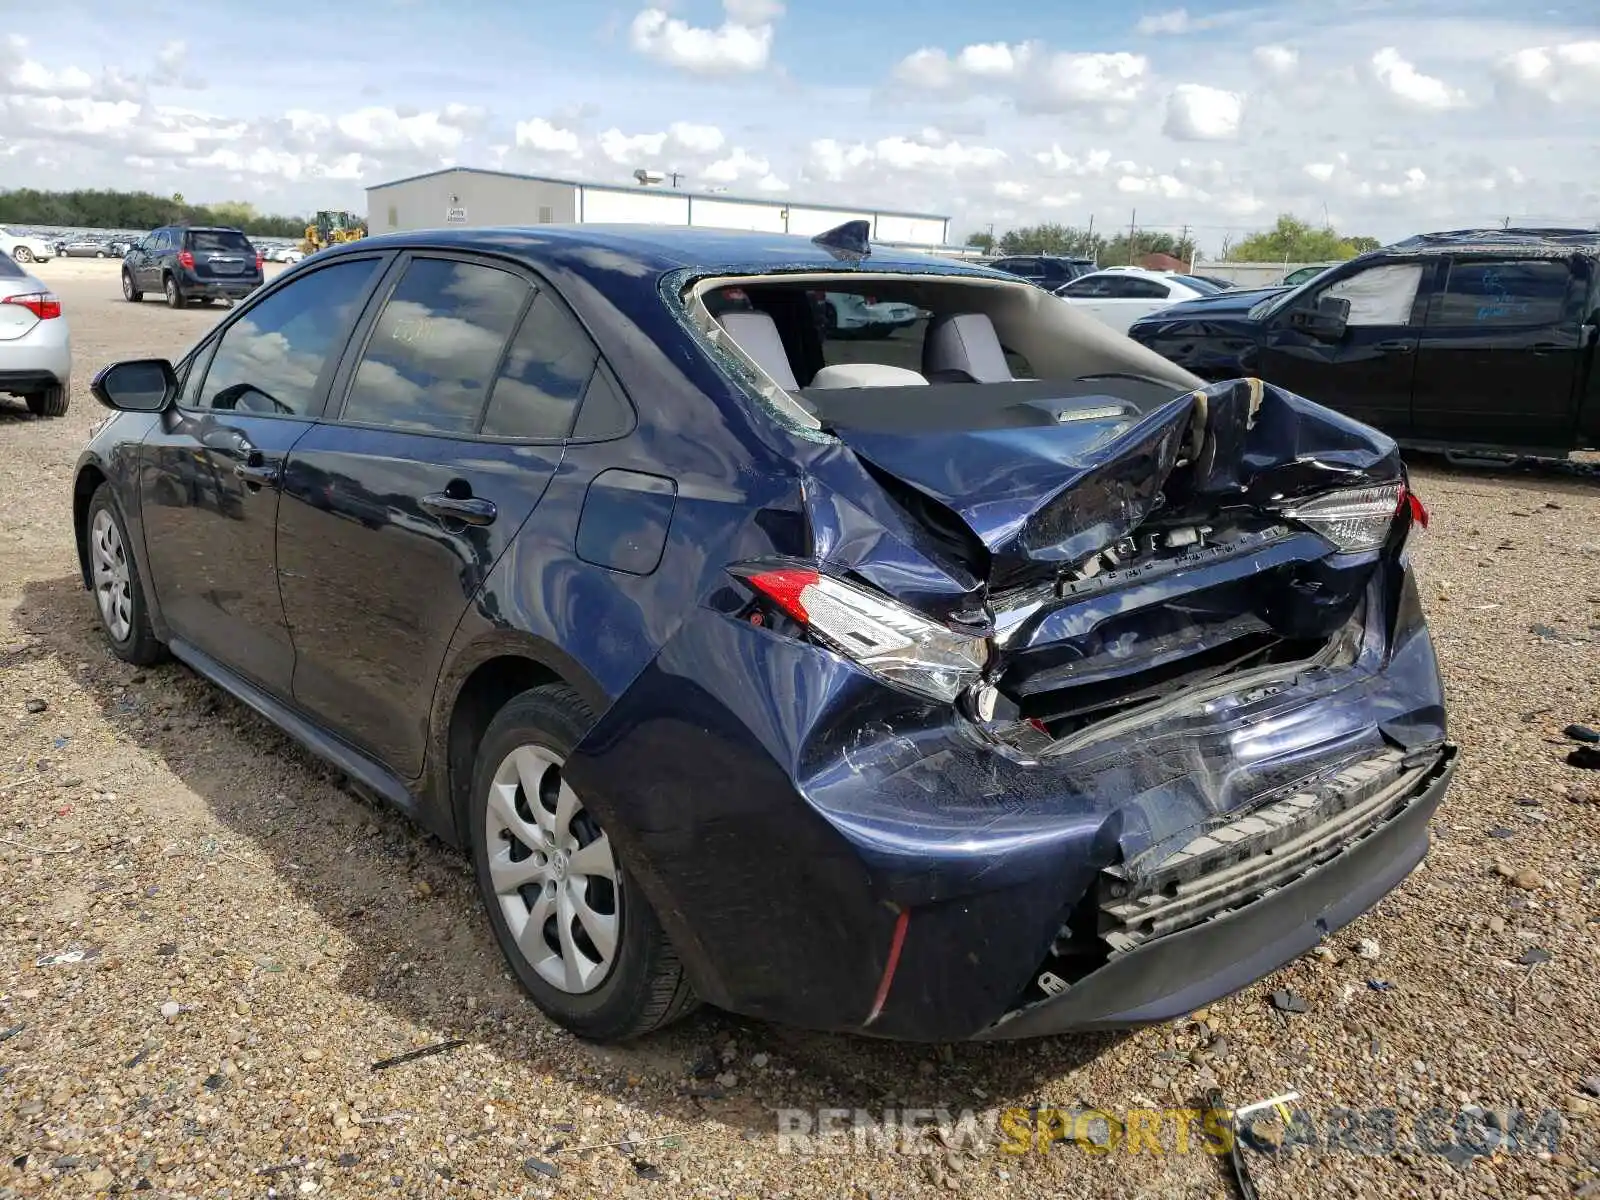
[1183, 238]
[1133, 221]
[674, 176]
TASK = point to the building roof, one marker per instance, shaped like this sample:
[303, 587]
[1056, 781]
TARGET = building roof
[719, 197]
[647, 250]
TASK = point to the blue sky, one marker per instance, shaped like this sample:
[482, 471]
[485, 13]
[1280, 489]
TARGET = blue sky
[1390, 116]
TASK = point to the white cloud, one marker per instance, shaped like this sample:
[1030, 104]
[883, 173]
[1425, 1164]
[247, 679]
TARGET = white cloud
[1038, 80]
[1565, 73]
[626, 150]
[1320, 171]
[541, 136]
[1057, 161]
[830, 160]
[1196, 113]
[697, 139]
[1085, 80]
[1277, 61]
[1175, 21]
[771, 184]
[1411, 86]
[739, 164]
[741, 44]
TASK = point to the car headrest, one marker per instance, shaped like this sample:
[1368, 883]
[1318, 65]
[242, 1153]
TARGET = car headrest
[864, 375]
[965, 343]
[757, 335]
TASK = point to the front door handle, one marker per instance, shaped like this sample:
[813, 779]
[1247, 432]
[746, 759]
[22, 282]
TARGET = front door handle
[258, 471]
[1547, 348]
[1399, 347]
[469, 510]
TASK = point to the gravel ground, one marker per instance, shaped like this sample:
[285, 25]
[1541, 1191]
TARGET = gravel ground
[255, 938]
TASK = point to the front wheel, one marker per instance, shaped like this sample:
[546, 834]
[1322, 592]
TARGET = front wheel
[118, 590]
[572, 923]
[22, 254]
[130, 290]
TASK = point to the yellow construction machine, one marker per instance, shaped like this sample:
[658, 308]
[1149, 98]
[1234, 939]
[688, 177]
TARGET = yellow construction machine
[332, 228]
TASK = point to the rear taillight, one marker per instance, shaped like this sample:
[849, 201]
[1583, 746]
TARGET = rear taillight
[44, 305]
[260, 260]
[898, 645]
[1354, 519]
[186, 260]
[1419, 511]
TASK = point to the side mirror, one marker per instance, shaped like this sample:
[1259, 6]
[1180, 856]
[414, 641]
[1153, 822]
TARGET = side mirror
[1326, 322]
[138, 385]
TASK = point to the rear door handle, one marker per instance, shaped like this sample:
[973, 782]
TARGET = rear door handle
[258, 471]
[1399, 347]
[1547, 348]
[469, 510]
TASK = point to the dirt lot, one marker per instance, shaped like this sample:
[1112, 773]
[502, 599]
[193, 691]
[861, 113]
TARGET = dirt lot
[256, 938]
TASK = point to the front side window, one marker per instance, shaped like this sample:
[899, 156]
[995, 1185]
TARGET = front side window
[435, 347]
[1506, 292]
[271, 359]
[1382, 295]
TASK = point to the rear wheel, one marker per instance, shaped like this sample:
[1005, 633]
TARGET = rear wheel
[174, 293]
[22, 254]
[118, 590]
[573, 925]
[51, 402]
[130, 290]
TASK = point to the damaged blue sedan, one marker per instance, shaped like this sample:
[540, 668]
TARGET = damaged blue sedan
[989, 679]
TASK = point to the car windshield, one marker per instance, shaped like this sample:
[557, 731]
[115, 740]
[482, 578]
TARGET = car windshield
[218, 239]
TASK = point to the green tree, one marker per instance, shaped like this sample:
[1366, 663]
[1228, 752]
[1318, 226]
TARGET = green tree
[1294, 240]
[982, 240]
[1120, 251]
[1051, 238]
[98, 209]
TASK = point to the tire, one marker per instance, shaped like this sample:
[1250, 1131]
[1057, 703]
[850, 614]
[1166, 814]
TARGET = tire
[51, 403]
[99, 253]
[641, 986]
[118, 591]
[22, 254]
[175, 296]
[130, 290]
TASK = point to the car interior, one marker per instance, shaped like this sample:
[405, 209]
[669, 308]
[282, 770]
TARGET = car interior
[987, 354]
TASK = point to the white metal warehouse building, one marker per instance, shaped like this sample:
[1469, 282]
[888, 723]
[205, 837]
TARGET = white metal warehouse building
[467, 196]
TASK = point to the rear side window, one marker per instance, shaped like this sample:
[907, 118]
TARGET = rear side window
[1511, 292]
[1098, 285]
[270, 360]
[1131, 287]
[9, 269]
[435, 348]
[218, 240]
[545, 373]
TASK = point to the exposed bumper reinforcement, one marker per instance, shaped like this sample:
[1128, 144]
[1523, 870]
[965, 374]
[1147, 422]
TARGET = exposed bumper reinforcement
[1178, 973]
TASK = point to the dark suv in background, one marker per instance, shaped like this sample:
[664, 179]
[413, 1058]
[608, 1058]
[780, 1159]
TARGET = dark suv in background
[192, 262]
[1049, 271]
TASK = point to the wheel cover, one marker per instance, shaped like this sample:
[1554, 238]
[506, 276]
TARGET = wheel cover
[127, 284]
[108, 563]
[552, 871]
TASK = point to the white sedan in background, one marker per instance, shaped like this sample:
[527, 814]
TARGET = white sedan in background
[24, 248]
[1119, 297]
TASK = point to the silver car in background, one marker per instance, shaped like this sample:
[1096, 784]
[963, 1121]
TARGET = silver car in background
[35, 347]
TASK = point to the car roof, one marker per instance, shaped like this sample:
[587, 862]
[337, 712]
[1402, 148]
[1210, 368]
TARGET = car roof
[657, 249]
[1135, 272]
[1530, 242]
